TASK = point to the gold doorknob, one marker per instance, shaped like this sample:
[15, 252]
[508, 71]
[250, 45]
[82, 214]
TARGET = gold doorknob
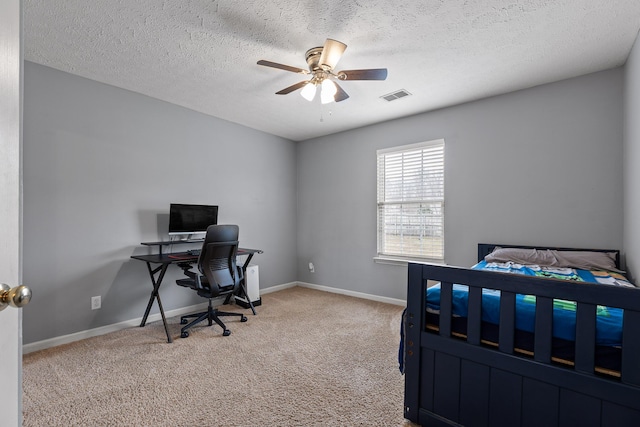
[15, 297]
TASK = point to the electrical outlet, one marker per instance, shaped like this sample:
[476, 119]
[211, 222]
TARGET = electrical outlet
[95, 303]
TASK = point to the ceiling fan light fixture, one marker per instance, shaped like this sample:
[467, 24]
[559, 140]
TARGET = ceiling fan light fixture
[309, 91]
[331, 53]
[328, 92]
[321, 62]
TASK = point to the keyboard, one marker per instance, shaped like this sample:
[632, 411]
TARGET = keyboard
[194, 252]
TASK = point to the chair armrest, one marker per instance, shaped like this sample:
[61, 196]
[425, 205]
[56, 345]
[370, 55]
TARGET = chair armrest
[193, 275]
[186, 268]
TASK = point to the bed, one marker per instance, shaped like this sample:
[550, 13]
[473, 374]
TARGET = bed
[488, 347]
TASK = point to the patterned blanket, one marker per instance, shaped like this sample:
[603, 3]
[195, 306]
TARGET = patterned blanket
[608, 323]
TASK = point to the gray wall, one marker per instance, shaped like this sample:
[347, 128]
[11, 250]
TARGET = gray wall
[538, 166]
[102, 165]
[631, 161]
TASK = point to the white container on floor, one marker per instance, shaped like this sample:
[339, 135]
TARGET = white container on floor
[252, 280]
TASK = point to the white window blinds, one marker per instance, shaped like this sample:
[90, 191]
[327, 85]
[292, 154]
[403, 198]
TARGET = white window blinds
[411, 201]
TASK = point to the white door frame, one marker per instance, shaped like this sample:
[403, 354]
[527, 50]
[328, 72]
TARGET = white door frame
[10, 207]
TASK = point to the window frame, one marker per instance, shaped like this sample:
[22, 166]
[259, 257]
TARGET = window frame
[386, 256]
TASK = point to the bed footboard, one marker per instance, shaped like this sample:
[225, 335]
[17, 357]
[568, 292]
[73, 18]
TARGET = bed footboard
[453, 380]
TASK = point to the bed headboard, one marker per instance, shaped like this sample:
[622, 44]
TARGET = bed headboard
[485, 249]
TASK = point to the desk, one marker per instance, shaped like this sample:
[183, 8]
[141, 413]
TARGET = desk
[157, 265]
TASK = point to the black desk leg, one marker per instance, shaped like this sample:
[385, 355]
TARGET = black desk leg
[246, 295]
[243, 285]
[156, 295]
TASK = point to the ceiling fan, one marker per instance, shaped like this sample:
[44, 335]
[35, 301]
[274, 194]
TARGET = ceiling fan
[321, 62]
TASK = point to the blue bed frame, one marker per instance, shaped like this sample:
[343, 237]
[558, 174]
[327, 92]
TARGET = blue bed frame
[453, 379]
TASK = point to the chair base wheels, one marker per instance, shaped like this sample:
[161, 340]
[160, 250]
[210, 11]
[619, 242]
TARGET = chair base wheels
[211, 316]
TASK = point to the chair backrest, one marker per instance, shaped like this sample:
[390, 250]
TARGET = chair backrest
[217, 261]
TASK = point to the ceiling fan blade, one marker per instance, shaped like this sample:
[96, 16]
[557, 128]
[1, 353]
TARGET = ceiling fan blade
[340, 95]
[282, 67]
[292, 88]
[370, 74]
[331, 53]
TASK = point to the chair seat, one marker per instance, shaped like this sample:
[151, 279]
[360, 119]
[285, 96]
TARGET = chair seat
[186, 283]
[205, 292]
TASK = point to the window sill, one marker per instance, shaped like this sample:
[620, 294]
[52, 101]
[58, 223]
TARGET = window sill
[381, 259]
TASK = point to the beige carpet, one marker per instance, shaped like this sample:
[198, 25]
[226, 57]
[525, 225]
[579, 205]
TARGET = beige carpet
[309, 358]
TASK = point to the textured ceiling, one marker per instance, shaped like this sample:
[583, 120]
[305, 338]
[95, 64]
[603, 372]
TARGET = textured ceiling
[202, 54]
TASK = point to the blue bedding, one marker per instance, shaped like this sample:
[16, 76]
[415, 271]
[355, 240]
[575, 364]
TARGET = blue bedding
[608, 323]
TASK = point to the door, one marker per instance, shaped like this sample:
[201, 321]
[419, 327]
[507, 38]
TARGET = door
[10, 205]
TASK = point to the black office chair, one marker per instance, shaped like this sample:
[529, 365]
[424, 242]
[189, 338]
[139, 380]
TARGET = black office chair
[220, 275]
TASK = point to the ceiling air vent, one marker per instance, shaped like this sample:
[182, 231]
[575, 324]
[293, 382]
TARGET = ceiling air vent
[395, 95]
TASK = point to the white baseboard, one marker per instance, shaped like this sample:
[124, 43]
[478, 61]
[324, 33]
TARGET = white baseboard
[77, 336]
[278, 288]
[353, 294]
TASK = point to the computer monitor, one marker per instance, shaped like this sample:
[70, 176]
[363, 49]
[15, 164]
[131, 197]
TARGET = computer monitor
[191, 219]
